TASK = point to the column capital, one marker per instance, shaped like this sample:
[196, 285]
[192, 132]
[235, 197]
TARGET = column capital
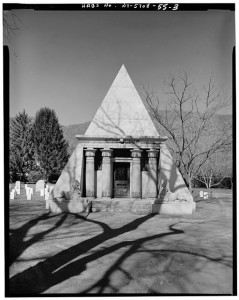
[106, 152]
[136, 152]
[90, 152]
[153, 153]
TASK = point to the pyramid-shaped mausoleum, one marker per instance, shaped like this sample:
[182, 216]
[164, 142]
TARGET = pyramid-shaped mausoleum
[122, 163]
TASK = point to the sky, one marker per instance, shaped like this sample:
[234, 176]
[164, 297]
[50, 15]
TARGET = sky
[67, 60]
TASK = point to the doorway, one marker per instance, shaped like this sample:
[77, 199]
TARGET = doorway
[121, 180]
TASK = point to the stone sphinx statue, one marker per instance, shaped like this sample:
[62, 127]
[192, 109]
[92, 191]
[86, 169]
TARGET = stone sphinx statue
[76, 190]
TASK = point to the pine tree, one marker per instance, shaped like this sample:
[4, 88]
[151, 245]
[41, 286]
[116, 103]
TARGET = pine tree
[22, 156]
[50, 145]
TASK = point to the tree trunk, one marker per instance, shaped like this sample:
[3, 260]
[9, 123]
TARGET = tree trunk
[189, 182]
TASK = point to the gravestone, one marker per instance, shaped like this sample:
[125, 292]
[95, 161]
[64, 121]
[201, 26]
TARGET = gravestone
[40, 185]
[18, 184]
[47, 204]
[46, 195]
[29, 196]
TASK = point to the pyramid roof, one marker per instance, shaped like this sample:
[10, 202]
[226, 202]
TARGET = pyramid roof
[122, 112]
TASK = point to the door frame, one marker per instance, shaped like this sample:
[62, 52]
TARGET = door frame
[118, 163]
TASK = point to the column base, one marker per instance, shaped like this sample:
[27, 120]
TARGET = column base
[106, 194]
[136, 194]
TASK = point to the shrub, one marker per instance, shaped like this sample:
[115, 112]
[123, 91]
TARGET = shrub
[34, 176]
[54, 177]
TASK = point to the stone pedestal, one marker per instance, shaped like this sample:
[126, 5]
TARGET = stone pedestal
[106, 173]
[152, 173]
[90, 172]
[136, 185]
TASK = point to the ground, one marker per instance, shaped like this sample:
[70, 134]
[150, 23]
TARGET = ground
[120, 252]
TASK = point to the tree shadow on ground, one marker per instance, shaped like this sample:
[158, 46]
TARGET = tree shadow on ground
[59, 267]
[107, 285]
[17, 235]
[69, 262]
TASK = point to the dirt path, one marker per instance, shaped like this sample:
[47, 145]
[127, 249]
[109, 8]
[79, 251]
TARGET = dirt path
[121, 253]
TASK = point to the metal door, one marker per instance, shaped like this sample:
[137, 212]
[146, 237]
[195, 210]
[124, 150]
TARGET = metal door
[121, 180]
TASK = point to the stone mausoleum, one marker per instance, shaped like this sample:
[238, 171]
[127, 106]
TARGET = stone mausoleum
[122, 163]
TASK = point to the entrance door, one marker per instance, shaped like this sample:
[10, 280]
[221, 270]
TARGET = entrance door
[121, 180]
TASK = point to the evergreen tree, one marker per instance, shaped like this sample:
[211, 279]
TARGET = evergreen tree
[22, 158]
[50, 145]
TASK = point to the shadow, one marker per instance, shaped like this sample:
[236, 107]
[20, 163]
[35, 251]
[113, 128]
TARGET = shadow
[17, 235]
[107, 285]
[59, 268]
[105, 282]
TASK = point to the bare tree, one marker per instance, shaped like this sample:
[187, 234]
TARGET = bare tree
[215, 170]
[190, 122]
[11, 23]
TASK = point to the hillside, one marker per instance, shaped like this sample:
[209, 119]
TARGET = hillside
[72, 130]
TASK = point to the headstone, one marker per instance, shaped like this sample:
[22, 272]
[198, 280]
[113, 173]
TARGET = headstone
[29, 196]
[18, 184]
[46, 196]
[47, 204]
[31, 191]
[40, 185]
[17, 191]
[42, 192]
[47, 187]
[201, 194]
[25, 186]
[12, 194]
[205, 195]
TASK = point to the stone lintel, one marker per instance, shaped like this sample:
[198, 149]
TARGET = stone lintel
[122, 140]
[122, 159]
[115, 145]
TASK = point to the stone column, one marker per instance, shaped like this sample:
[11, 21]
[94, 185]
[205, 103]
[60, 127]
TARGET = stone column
[106, 173]
[152, 173]
[136, 184]
[90, 172]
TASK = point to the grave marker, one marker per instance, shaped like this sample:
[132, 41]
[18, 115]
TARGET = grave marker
[47, 204]
[46, 195]
[40, 185]
[18, 184]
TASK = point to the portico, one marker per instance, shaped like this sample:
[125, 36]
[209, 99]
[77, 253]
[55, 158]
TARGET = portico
[124, 168]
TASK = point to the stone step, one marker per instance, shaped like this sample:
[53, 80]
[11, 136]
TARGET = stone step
[135, 206]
